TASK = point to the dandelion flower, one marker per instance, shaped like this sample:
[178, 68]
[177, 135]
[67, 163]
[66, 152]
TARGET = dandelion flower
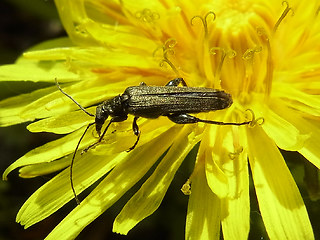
[264, 53]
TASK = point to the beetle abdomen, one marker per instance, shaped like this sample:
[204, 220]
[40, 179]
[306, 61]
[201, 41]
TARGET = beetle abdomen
[152, 101]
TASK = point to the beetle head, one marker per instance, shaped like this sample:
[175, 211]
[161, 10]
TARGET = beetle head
[112, 107]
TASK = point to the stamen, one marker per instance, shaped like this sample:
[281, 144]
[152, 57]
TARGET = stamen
[249, 54]
[166, 60]
[170, 43]
[283, 15]
[254, 122]
[167, 48]
[234, 155]
[224, 53]
[248, 57]
[186, 188]
[146, 15]
[206, 67]
[80, 29]
[204, 21]
[269, 73]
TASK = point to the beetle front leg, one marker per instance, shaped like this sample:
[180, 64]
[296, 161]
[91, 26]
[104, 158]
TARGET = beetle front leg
[175, 82]
[100, 138]
[185, 118]
[112, 120]
[136, 132]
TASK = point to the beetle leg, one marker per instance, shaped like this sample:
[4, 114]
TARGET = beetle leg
[184, 118]
[100, 138]
[114, 119]
[142, 84]
[136, 132]
[175, 82]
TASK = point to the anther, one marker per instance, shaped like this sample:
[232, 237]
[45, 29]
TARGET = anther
[234, 155]
[170, 43]
[283, 15]
[249, 54]
[204, 21]
[167, 48]
[146, 15]
[186, 188]
[259, 121]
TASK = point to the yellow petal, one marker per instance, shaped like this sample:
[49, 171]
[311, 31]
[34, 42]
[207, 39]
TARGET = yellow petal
[57, 192]
[307, 127]
[36, 71]
[216, 178]
[87, 169]
[118, 182]
[41, 169]
[33, 70]
[123, 37]
[72, 14]
[297, 99]
[62, 124]
[50, 101]
[282, 208]
[284, 133]
[311, 150]
[50, 151]
[151, 193]
[11, 108]
[38, 104]
[237, 204]
[203, 217]
[96, 56]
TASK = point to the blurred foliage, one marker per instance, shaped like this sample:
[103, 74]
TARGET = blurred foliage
[26, 23]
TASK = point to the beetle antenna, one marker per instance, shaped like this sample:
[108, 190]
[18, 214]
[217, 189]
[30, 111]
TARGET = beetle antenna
[72, 161]
[82, 108]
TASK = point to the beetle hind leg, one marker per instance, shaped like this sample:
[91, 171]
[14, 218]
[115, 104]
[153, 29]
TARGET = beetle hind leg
[184, 118]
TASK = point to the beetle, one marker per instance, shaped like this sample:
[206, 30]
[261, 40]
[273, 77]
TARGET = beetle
[145, 101]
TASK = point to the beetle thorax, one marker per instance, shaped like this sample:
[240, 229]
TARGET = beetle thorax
[114, 107]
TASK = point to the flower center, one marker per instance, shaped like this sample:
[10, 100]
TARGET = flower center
[235, 17]
[241, 30]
